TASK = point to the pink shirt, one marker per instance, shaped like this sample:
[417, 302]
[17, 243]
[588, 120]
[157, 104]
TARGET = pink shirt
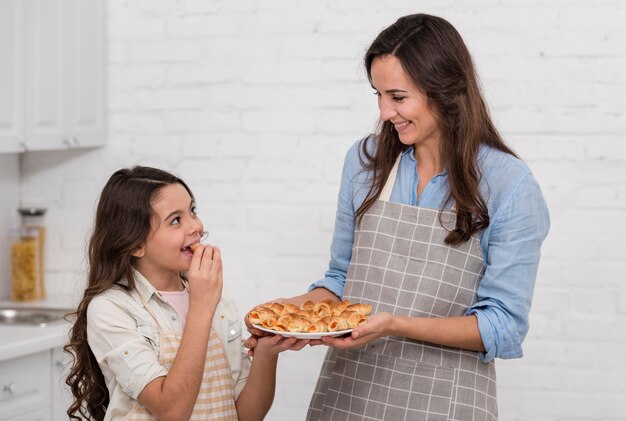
[179, 300]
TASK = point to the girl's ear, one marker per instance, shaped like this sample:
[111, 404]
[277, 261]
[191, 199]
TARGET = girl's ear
[139, 251]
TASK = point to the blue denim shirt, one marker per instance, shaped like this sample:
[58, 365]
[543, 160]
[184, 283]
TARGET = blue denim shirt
[511, 244]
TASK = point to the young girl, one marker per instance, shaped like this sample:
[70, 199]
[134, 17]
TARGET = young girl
[149, 343]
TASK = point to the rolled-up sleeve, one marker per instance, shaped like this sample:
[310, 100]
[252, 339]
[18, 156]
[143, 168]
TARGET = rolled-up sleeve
[512, 245]
[119, 347]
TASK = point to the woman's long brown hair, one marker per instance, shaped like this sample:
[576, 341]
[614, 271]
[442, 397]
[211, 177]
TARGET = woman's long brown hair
[434, 56]
[122, 224]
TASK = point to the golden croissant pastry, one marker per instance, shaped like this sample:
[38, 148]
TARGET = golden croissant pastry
[325, 316]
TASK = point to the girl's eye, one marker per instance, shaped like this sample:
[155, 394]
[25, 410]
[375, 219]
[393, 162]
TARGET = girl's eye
[194, 210]
[176, 220]
[397, 98]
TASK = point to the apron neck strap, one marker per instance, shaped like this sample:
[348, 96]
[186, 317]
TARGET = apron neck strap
[150, 310]
[385, 193]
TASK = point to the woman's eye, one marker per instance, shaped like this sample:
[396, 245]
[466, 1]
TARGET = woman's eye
[194, 210]
[398, 98]
[176, 220]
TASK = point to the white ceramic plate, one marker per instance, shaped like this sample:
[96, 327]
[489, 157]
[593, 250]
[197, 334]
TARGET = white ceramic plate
[300, 335]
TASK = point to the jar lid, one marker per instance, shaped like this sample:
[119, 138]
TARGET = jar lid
[32, 211]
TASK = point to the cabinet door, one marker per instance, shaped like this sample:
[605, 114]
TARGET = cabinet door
[46, 49]
[25, 385]
[65, 61]
[86, 70]
[61, 396]
[11, 76]
[41, 414]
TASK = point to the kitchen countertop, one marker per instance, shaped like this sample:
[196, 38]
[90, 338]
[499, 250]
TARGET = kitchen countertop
[17, 341]
[20, 340]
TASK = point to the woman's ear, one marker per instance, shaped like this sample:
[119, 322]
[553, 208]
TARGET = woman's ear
[139, 251]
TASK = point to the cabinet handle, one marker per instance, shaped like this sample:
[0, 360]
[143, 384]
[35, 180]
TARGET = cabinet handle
[10, 388]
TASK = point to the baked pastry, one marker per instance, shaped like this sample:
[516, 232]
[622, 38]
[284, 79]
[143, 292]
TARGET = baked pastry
[362, 309]
[352, 318]
[340, 307]
[337, 323]
[318, 327]
[308, 305]
[290, 308]
[263, 316]
[325, 316]
[323, 308]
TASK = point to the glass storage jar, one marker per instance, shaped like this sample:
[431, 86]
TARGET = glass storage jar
[28, 256]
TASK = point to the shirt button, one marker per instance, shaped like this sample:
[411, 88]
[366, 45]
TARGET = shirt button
[232, 331]
[173, 317]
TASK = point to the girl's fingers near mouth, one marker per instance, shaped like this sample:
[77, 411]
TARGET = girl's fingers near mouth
[216, 259]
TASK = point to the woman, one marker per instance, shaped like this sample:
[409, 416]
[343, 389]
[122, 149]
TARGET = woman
[439, 227]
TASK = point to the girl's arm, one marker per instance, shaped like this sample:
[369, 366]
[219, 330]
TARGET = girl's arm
[257, 396]
[173, 397]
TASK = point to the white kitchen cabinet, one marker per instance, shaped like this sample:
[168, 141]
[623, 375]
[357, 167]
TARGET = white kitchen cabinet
[41, 414]
[32, 387]
[55, 53]
[61, 396]
[25, 386]
[11, 76]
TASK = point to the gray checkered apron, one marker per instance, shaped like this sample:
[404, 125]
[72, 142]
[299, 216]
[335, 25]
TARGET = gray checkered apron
[401, 265]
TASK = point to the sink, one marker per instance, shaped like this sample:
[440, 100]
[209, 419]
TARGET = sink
[31, 316]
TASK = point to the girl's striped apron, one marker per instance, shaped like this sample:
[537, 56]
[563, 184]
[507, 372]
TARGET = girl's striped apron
[216, 398]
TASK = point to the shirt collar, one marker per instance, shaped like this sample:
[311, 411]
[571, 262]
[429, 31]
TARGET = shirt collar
[409, 151]
[142, 286]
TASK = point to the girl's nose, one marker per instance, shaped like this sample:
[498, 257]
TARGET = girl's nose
[197, 226]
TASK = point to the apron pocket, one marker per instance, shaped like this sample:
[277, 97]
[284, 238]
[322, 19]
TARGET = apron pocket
[382, 387]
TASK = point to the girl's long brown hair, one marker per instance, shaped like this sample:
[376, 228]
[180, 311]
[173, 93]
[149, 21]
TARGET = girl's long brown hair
[434, 56]
[122, 224]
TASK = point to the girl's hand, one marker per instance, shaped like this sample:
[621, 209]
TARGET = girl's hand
[205, 277]
[376, 327]
[275, 344]
[292, 344]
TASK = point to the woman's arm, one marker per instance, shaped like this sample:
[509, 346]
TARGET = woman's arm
[173, 397]
[458, 332]
[315, 295]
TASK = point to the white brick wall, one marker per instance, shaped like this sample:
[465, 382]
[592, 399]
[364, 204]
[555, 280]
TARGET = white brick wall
[254, 103]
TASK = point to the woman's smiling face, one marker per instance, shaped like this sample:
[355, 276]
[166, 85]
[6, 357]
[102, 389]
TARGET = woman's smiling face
[402, 103]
